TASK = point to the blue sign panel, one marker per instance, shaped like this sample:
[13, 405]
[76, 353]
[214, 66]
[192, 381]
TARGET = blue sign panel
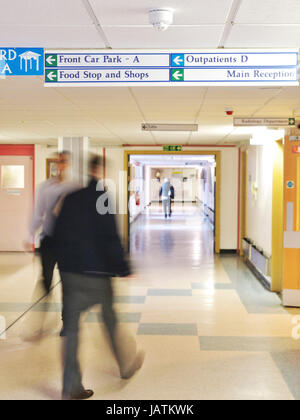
[178, 60]
[21, 61]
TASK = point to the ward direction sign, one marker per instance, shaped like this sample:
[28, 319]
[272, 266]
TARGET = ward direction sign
[171, 68]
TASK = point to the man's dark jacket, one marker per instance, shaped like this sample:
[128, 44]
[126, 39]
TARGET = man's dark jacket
[85, 241]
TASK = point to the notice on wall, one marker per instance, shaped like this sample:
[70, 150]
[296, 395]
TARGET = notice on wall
[161, 68]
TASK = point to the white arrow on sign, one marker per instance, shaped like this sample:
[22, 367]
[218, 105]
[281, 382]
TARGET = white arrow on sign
[178, 60]
[50, 60]
[51, 76]
[177, 75]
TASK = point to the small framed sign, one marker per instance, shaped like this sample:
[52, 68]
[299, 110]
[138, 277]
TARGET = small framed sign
[51, 168]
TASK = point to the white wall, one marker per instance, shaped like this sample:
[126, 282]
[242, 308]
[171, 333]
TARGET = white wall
[259, 206]
[115, 164]
[138, 187]
[229, 188]
[204, 192]
[229, 198]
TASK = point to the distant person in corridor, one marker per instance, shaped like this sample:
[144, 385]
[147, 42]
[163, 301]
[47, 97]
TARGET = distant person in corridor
[89, 253]
[165, 194]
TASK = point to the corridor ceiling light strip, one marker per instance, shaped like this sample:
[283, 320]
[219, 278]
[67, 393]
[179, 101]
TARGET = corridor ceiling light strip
[96, 22]
[262, 136]
[169, 127]
[236, 4]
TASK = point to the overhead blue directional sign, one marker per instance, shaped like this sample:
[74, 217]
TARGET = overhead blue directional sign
[21, 61]
[157, 68]
[178, 60]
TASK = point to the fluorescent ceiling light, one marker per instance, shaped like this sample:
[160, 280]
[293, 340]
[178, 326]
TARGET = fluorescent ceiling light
[262, 136]
[169, 127]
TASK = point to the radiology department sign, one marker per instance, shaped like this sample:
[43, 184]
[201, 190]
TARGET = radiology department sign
[21, 61]
[171, 68]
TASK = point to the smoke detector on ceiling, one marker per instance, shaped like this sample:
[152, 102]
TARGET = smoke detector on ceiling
[161, 19]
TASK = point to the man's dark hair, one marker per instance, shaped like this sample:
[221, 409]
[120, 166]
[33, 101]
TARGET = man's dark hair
[95, 162]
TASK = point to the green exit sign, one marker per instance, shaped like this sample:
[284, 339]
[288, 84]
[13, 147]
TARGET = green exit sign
[172, 148]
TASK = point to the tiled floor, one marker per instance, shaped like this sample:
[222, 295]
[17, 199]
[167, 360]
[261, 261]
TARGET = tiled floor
[210, 330]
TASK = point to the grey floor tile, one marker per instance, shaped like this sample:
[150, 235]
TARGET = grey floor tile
[14, 307]
[47, 307]
[255, 298]
[217, 286]
[169, 292]
[268, 344]
[127, 317]
[130, 299]
[289, 365]
[168, 329]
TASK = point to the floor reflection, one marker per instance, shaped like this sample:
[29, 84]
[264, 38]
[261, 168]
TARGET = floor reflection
[186, 238]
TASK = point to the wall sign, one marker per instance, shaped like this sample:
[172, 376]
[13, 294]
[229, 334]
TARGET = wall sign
[21, 61]
[161, 68]
[172, 148]
[296, 149]
[290, 185]
[264, 122]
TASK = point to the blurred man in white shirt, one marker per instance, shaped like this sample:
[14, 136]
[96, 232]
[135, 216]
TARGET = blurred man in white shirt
[44, 218]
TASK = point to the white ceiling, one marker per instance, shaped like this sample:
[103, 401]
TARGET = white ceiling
[31, 113]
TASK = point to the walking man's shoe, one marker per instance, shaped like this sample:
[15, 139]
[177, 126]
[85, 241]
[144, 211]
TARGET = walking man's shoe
[82, 395]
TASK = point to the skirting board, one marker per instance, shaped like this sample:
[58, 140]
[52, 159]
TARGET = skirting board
[260, 277]
[228, 251]
[291, 298]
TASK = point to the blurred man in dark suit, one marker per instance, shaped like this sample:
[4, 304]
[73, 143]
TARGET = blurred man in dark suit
[89, 253]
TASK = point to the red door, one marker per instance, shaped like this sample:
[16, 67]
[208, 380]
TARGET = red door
[16, 195]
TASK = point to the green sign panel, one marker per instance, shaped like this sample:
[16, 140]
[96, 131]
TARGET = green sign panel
[51, 75]
[172, 148]
[51, 60]
[292, 121]
[177, 75]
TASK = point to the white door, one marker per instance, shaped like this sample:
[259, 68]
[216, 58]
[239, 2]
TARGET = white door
[16, 199]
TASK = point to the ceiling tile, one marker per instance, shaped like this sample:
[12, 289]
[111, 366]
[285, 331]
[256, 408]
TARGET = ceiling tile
[135, 12]
[263, 37]
[269, 11]
[43, 12]
[174, 37]
[50, 36]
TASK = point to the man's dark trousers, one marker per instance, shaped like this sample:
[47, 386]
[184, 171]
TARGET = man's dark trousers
[48, 262]
[80, 293]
